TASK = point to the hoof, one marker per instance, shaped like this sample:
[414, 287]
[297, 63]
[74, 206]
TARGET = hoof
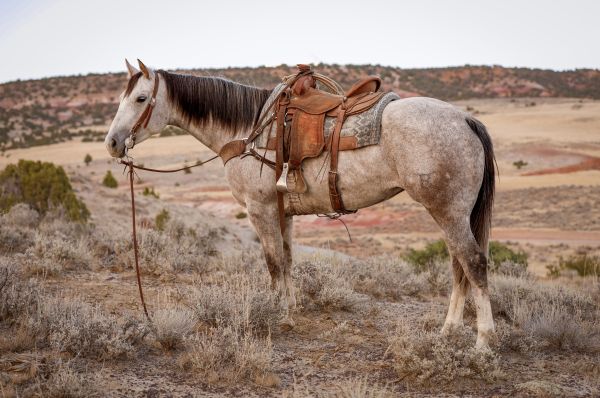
[482, 346]
[287, 324]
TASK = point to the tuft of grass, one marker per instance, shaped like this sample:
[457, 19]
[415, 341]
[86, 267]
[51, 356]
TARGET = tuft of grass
[388, 278]
[519, 164]
[87, 159]
[350, 388]
[80, 329]
[426, 357]
[19, 298]
[323, 286]
[241, 215]
[544, 316]
[64, 381]
[582, 264]
[150, 192]
[109, 180]
[172, 325]
[43, 186]
[161, 219]
[224, 354]
[21, 215]
[246, 304]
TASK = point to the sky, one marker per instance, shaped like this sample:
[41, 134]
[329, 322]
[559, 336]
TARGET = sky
[40, 38]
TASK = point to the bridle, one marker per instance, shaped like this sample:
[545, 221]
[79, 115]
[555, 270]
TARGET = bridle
[144, 118]
[129, 144]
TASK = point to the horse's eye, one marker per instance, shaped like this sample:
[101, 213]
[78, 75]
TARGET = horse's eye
[141, 98]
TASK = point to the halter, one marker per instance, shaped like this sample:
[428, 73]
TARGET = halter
[144, 118]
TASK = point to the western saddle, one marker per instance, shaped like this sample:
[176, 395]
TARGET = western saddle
[299, 111]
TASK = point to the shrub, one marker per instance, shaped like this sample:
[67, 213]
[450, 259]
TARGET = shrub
[64, 381]
[72, 326]
[501, 253]
[150, 192]
[109, 180]
[172, 325]
[161, 219]
[544, 316]
[431, 253]
[389, 278]
[18, 298]
[436, 252]
[582, 264]
[87, 159]
[21, 215]
[423, 355]
[241, 215]
[520, 164]
[245, 304]
[224, 354]
[43, 186]
[324, 287]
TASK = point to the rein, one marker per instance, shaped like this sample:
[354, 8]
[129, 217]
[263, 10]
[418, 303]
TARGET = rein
[131, 171]
[143, 121]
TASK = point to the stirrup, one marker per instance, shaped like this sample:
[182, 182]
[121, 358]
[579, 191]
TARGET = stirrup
[282, 183]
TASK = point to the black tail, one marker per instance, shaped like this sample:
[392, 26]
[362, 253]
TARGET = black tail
[481, 215]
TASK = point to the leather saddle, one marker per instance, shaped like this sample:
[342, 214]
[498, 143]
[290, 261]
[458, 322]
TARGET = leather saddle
[301, 111]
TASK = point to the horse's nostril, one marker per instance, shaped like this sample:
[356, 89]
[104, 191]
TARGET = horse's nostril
[113, 143]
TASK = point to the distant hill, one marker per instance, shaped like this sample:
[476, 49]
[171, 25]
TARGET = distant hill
[38, 112]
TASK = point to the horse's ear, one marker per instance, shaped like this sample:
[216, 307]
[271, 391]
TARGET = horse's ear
[144, 70]
[130, 69]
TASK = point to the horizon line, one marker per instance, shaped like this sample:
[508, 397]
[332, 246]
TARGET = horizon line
[466, 65]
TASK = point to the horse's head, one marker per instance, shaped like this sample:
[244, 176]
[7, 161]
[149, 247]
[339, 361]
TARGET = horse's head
[143, 111]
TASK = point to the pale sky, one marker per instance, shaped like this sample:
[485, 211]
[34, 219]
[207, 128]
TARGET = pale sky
[40, 38]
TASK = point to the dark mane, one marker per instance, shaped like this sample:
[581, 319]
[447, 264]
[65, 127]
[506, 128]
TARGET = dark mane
[202, 100]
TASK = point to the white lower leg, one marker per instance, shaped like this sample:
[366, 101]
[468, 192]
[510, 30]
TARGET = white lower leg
[290, 291]
[455, 309]
[485, 321]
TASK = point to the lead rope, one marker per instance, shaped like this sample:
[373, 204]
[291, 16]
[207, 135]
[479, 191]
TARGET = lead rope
[135, 242]
[130, 166]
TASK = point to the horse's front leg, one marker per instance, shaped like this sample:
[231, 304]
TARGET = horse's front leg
[287, 270]
[265, 218]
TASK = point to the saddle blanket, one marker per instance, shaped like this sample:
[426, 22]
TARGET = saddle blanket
[365, 127]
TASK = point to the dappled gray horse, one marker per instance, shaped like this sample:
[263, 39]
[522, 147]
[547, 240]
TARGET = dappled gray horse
[441, 156]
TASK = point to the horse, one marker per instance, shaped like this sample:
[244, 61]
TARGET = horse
[441, 156]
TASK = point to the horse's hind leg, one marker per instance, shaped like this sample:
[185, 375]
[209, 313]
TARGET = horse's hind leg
[467, 254]
[460, 289]
[464, 248]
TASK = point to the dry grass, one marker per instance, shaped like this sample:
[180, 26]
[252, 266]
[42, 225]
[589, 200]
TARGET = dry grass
[544, 316]
[171, 325]
[19, 297]
[322, 284]
[390, 278]
[239, 301]
[423, 356]
[174, 250]
[350, 388]
[65, 382]
[225, 354]
[72, 326]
